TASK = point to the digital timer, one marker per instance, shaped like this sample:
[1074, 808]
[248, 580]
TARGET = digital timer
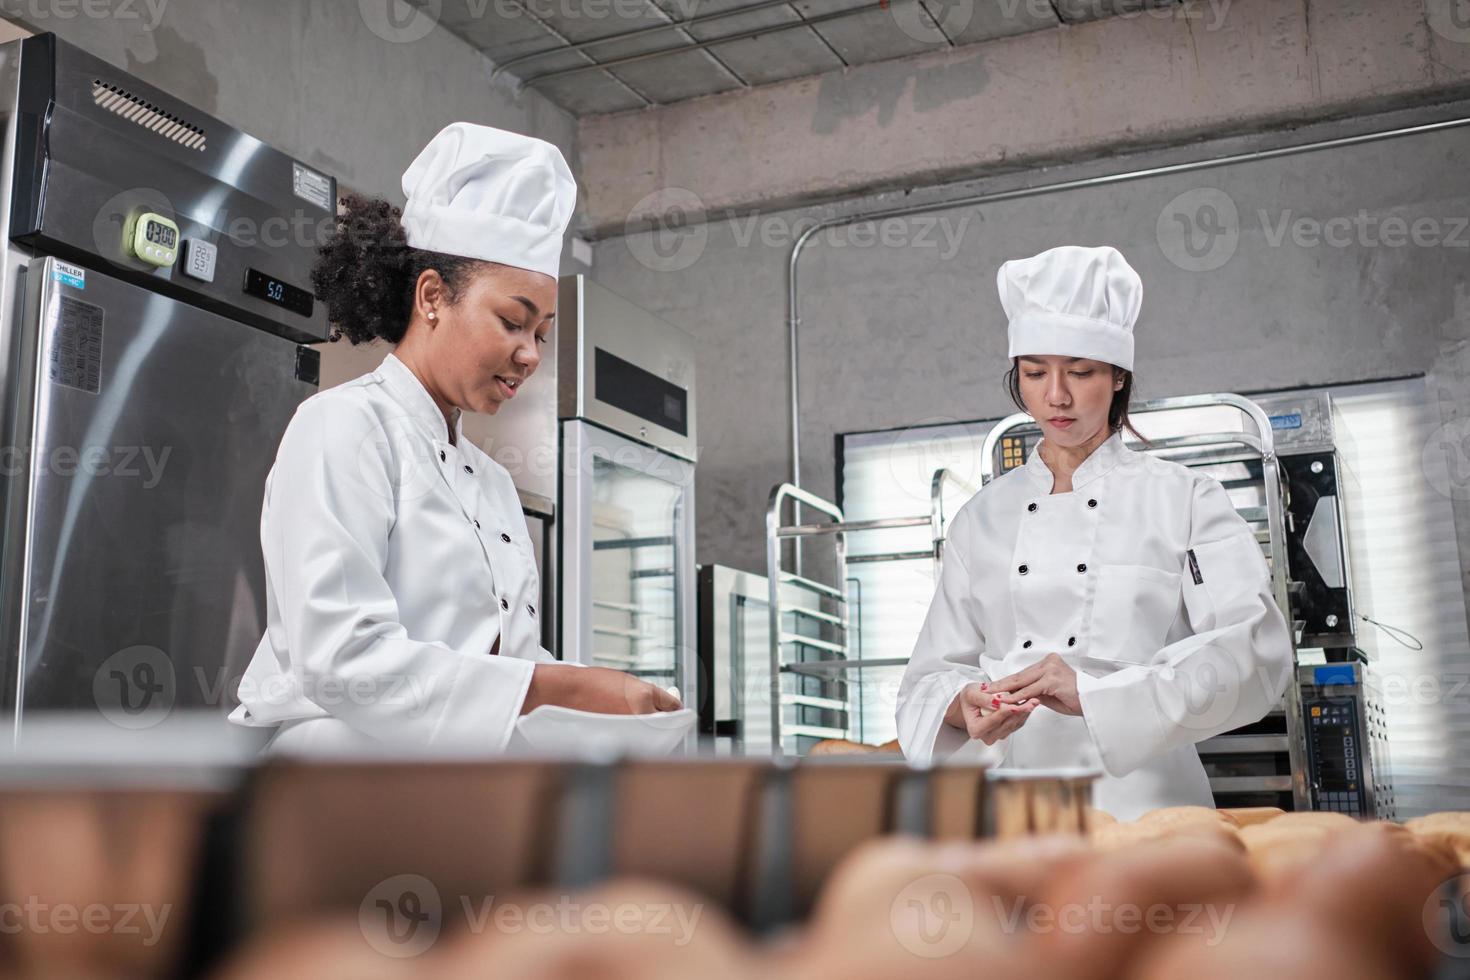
[152, 238]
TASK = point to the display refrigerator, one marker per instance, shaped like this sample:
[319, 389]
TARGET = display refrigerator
[628, 453]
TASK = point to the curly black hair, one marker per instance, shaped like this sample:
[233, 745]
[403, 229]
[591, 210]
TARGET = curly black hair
[366, 272]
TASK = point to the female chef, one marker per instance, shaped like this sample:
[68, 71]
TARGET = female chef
[1097, 607]
[402, 596]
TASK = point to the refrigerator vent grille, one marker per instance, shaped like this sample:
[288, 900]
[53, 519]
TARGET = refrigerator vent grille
[147, 115]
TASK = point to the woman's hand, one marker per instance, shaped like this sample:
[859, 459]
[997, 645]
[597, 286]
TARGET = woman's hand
[1051, 680]
[984, 716]
[596, 689]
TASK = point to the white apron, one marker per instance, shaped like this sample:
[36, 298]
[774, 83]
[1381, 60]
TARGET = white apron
[1146, 581]
[394, 562]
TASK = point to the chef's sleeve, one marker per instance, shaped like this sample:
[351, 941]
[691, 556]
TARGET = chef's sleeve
[1230, 672]
[945, 659]
[330, 510]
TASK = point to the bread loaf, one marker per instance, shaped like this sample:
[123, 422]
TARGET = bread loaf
[1166, 882]
[1450, 830]
[327, 949]
[624, 930]
[841, 746]
[1372, 883]
[1249, 816]
[1111, 837]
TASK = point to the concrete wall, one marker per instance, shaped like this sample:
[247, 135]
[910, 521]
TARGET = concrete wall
[911, 332]
[1156, 77]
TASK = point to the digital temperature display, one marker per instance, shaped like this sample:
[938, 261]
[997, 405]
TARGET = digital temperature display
[282, 294]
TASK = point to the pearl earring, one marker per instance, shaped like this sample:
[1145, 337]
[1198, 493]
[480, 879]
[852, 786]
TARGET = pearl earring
[433, 315]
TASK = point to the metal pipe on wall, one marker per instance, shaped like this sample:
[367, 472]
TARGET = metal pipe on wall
[793, 298]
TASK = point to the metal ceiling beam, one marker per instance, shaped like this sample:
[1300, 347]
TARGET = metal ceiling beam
[698, 45]
[640, 32]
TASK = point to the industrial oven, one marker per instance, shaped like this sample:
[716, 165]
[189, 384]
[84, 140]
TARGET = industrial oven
[1346, 741]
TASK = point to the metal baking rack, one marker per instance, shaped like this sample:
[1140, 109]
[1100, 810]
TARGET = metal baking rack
[812, 642]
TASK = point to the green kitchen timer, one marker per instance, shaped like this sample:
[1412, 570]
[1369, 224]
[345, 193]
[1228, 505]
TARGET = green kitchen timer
[152, 238]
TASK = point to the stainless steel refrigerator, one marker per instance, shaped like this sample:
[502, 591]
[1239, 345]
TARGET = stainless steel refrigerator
[155, 303]
[628, 449]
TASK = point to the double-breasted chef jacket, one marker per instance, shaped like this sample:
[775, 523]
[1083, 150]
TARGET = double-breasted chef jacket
[395, 560]
[1146, 581]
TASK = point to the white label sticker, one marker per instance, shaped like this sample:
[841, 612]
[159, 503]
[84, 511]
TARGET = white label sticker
[72, 275]
[312, 186]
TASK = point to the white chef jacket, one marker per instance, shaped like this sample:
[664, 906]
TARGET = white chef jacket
[1146, 581]
[394, 560]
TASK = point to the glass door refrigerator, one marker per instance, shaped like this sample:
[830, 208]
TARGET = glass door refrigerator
[627, 411]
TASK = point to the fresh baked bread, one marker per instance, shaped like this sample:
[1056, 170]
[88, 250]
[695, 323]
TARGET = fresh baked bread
[1249, 816]
[841, 746]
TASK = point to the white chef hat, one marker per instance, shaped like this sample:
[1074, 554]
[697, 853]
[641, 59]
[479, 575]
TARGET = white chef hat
[1073, 301]
[488, 194]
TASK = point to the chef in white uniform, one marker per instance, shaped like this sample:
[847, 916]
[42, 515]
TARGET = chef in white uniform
[1098, 607]
[403, 605]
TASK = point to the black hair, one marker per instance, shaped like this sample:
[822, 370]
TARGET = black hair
[366, 272]
[1117, 410]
